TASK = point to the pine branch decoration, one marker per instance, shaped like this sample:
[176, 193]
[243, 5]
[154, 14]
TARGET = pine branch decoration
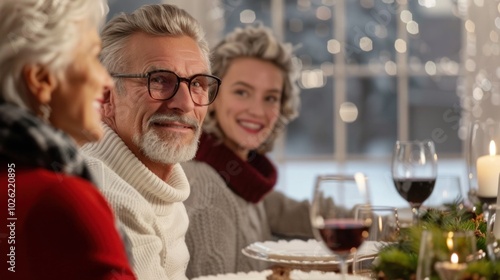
[400, 260]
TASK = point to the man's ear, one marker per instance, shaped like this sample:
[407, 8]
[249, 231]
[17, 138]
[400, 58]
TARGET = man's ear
[108, 109]
[40, 82]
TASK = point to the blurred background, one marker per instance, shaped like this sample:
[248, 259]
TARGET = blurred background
[373, 72]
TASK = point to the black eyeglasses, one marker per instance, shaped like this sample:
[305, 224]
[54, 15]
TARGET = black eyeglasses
[164, 84]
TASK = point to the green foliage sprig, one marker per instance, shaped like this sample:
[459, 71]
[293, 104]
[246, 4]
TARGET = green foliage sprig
[400, 260]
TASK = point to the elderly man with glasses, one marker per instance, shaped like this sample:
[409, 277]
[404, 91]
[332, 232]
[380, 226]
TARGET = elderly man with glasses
[152, 122]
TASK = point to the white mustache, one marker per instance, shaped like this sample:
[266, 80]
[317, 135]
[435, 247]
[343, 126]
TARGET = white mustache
[174, 118]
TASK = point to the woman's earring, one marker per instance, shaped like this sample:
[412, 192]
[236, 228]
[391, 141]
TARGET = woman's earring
[45, 110]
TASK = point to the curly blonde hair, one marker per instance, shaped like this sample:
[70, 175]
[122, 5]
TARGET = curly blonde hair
[258, 42]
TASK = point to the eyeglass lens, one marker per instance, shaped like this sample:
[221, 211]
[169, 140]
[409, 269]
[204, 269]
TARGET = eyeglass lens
[163, 85]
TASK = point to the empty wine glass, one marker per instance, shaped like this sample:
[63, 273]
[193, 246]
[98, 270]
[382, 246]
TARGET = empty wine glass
[384, 229]
[414, 171]
[333, 216]
[447, 191]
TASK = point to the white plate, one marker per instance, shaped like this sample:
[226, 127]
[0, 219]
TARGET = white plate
[293, 251]
[298, 252]
[294, 275]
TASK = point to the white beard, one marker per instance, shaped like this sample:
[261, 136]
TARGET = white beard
[169, 149]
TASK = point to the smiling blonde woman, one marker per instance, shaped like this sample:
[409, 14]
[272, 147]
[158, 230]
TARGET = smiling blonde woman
[232, 202]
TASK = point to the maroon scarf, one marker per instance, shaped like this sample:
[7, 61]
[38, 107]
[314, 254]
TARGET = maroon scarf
[251, 179]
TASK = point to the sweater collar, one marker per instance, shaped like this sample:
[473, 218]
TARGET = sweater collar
[251, 179]
[117, 156]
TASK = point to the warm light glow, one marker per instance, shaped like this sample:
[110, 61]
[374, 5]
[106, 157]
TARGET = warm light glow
[406, 16]
[312, 78]
[247, 16]
[430, 68]
[333, 46]
[449, 240]
[366, 44]
[323, 13]
[318, 222]
[348, 112]
[390, 68]
[493, 148]
[400, 45]
[470, 26]
[454, 258]
[412, 27]
[427, 3]
[450, 66]
[477, 94]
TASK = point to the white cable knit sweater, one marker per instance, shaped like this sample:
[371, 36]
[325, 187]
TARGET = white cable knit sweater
[151, 210]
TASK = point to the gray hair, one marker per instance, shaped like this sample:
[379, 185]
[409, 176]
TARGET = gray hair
[40, 32]
[258, 42]
[157, 20]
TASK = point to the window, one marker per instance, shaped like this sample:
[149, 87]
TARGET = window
[373, 72]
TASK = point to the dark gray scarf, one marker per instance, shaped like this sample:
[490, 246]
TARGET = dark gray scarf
[28, 141]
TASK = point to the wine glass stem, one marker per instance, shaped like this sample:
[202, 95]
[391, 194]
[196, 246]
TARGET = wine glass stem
[343, 268]
[415, 214]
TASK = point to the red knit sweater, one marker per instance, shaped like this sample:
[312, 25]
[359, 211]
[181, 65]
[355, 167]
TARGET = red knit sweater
[63, 228]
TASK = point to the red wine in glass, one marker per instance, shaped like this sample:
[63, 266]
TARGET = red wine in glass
[415, 190]
[332, 212]
[414, 172]
[344, 234]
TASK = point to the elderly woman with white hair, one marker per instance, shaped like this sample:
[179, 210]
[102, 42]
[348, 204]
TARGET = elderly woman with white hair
[57, 223]
[232, 202]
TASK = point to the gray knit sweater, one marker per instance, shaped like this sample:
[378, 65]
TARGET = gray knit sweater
[221, 223]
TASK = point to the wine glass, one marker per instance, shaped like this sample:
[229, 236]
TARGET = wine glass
[333, 217]
[414, 171]
[384, 229]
